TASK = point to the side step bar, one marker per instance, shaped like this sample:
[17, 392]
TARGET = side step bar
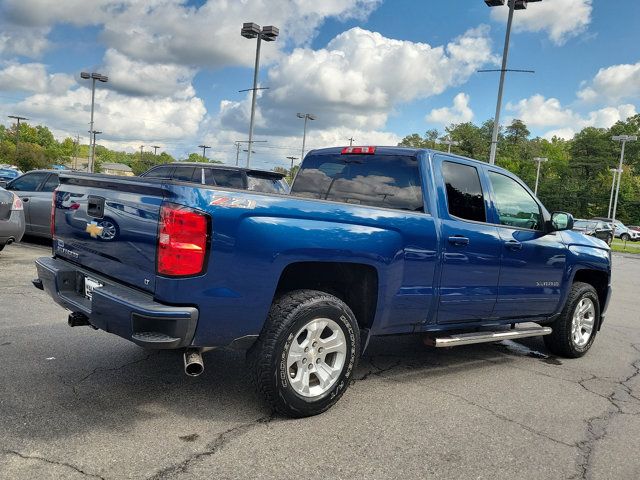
[485, 337]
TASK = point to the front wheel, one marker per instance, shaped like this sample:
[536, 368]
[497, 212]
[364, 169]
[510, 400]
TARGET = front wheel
[609, 239]
[308, 349]
[575, 329]
[625, 237]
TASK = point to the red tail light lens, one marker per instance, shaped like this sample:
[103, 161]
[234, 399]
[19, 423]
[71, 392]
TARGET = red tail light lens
[358, 150]
[182, 241]
[17, 203]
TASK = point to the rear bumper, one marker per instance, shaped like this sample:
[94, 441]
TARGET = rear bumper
[117, 309]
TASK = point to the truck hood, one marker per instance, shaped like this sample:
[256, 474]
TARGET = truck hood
[571, 237]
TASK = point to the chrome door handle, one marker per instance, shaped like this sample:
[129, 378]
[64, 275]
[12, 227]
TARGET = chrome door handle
[513, 245]
[458, 240]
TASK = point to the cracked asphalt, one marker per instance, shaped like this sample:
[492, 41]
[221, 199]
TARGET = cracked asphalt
[78, 403]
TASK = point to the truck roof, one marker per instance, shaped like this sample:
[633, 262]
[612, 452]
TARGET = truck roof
[226, 167]
[407, 151]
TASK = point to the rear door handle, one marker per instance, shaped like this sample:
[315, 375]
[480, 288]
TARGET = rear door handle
[458, 240]
[513, 245]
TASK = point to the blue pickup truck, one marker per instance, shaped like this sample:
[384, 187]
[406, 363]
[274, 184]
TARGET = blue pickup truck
[370, 241]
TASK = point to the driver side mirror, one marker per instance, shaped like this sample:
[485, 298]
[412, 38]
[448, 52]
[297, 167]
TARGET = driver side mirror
[561, 221]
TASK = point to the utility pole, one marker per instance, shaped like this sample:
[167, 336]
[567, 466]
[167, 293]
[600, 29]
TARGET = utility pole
[155, 149]
[351, 140]
[613, 187]
[539, 160]
[249, 147]
[17, 119]
[292, 159]
[623, 139]
[204, 151]
[76, 144]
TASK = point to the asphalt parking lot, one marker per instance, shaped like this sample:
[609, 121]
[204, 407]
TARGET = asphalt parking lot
[78, 403]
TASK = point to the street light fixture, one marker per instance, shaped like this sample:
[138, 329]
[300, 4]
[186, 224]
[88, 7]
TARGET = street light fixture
[268, 34]
[623, 139]
[540, 161]
[94, 76]
[306, 116]
[513, 5]
[449, 142]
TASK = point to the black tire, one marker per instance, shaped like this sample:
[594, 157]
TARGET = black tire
[609, 240]
[560, 341]
[2, 247]
[267, 358]
[625, 237]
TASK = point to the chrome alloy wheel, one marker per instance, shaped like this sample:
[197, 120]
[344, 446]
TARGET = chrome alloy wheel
[583, 322]
[316, 357]
[109, 231]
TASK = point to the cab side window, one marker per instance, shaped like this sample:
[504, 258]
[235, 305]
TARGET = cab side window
[51, 184]
[29, 182]
[464, 192]
[515, 206]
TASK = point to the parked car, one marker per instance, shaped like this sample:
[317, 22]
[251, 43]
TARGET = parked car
[7, 174]
[372, 241]
[621, 231]
[35, 190]
[594, 228]
[221, 176]
[11, 218]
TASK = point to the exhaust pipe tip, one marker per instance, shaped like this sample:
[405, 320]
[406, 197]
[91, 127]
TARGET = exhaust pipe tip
[193, 363]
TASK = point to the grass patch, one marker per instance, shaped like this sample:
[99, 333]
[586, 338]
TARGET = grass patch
[628, 247]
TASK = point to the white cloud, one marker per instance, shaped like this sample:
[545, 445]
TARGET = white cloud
[614, 83]
[139, 78]
[359, 78]
[32, 77]
[460, 112]
[540, 112]
[561, 19]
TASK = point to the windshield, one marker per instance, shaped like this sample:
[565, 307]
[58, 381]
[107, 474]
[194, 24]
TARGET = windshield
[266, 183]
[390, 181]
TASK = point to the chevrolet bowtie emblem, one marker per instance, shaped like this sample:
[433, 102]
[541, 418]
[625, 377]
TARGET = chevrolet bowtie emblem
[93, 229]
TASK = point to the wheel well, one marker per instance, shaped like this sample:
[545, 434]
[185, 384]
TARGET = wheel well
[598, 280]
[353, 283]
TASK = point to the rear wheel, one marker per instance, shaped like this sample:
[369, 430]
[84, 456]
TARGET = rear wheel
[308, 349]
[625, 237]
[609, 239]
[110, 230]
[574, 331]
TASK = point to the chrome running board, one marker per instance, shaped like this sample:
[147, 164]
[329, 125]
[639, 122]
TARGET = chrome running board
[485, 337]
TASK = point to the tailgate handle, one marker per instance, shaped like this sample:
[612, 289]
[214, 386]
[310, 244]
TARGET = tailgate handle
[95, 206]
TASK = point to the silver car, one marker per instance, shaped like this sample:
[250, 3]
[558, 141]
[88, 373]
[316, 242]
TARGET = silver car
[35, 189]
[12, 222]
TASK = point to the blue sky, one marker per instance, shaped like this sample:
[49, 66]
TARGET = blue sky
[375, 70]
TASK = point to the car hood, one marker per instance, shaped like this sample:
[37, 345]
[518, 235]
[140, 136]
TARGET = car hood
[571, 237]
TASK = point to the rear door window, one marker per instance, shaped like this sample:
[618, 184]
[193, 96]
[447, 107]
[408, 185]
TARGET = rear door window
[29, 182]
[265, 183]
[228, 178]
[183, 174]
[51, 184]
[163, 171]
[464, 191]
[389, 181]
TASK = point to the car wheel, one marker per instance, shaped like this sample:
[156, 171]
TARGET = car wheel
[110, 230]
[625, 237]
[574, 331]
[308, 349]
[1, 247]
[609, 240]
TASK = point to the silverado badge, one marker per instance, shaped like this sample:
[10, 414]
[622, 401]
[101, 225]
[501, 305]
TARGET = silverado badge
[93, 229]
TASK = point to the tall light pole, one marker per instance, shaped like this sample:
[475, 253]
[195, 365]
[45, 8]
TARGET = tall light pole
[92, 140]
[622, 139]
[306, 116]
[204, 151]
[513, 5]
[539, 161]
[613, 187]
[449, 142]
[17, 118]
[268, 34]
[94, 76]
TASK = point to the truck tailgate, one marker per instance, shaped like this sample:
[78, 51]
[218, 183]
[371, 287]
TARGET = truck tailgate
[109, 225]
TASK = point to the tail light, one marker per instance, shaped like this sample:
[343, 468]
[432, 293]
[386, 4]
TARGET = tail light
[17, 203]
[182, 241]
[358, 150]
[53, 214]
